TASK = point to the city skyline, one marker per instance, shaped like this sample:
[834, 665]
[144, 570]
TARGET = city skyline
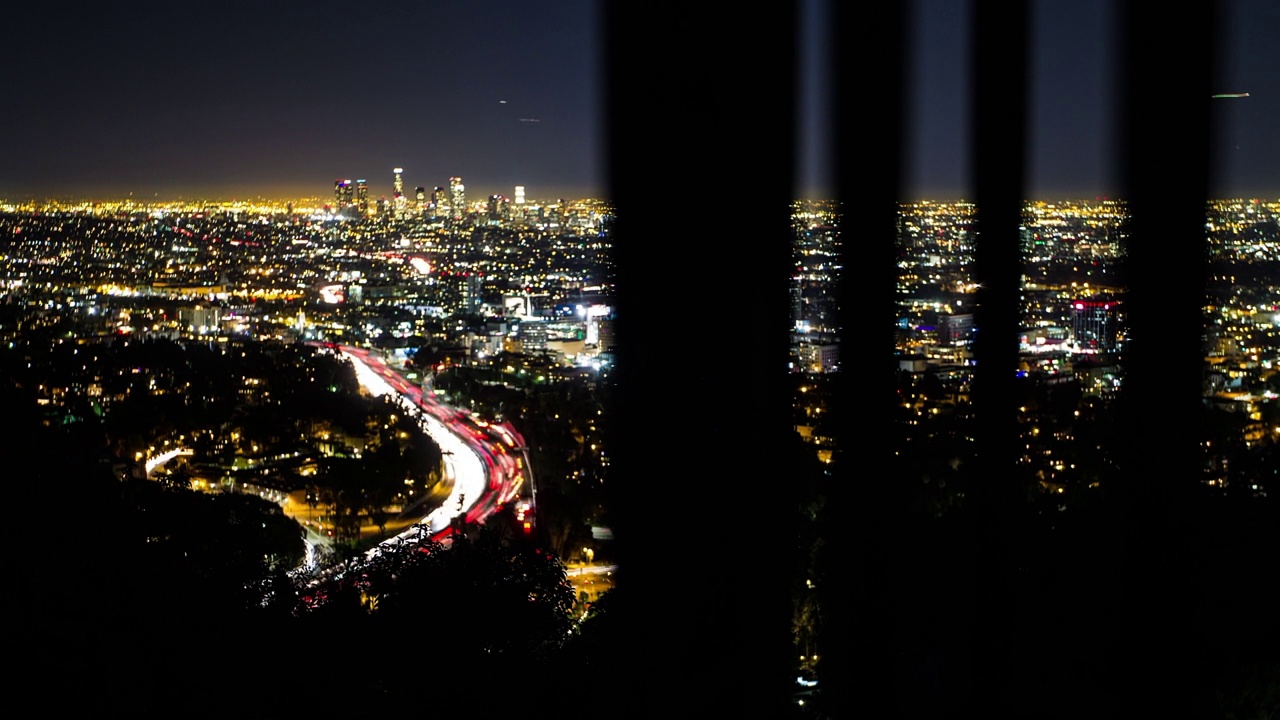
[966, 457]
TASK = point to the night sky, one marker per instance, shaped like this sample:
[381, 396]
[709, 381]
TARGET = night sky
[239, 100]
[1072, 115]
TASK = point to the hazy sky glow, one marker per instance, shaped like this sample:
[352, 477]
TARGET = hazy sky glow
[238, 100]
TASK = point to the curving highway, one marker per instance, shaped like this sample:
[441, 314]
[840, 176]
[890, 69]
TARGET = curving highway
[484, 463]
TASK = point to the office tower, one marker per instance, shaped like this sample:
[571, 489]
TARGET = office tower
[398, 200]
[517, 213]
[1094, 325]
[339, 193]
[420, 196]
[955, 329]
[497, 207]
[362, 196]
[457, 197]
[472, 293]
[439, 202]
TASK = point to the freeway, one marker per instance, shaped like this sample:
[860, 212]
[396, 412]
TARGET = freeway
[165, 457]
[484, 462]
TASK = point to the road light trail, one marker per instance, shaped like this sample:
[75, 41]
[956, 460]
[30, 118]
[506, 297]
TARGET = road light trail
[462, 464]
[483, 475]
[165, 457]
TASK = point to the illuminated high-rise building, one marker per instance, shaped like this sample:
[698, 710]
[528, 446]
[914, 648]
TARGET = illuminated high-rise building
[340, 190]
[362, 196]
[472, 292]
[439, 202]
[516, 213]
[420, 194]
[1095, 325]
[457, 197]
[499, 208]
[398, 201]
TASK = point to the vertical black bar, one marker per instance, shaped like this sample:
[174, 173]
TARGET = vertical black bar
[998, 126]
[1166, 100]
[1166, 76]
[998, 130]
[866, 553]
[701, 116]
